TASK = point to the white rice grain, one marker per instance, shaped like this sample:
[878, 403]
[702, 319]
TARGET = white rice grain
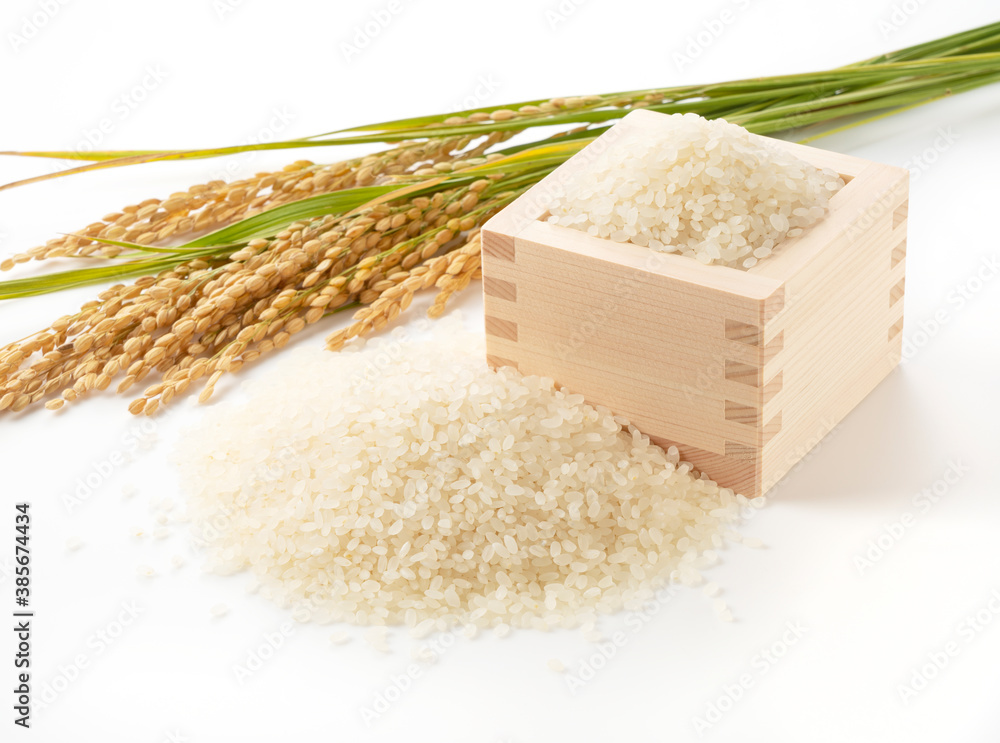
[703, 188]
[407, 483]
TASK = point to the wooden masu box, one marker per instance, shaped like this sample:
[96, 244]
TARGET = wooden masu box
[744, 371]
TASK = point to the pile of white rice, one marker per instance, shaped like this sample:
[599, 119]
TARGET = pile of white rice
[406, 482]
[710, 190]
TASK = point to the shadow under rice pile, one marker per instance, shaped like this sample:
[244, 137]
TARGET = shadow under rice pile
[404, 482]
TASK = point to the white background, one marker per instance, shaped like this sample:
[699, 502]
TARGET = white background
[229, 72]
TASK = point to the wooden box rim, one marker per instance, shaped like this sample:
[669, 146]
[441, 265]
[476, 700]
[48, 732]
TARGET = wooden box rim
[523, 219]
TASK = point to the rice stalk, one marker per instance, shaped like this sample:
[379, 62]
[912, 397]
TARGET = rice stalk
[209, 316]
[225, 273]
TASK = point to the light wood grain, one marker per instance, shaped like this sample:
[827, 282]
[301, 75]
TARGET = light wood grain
[744, 371]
